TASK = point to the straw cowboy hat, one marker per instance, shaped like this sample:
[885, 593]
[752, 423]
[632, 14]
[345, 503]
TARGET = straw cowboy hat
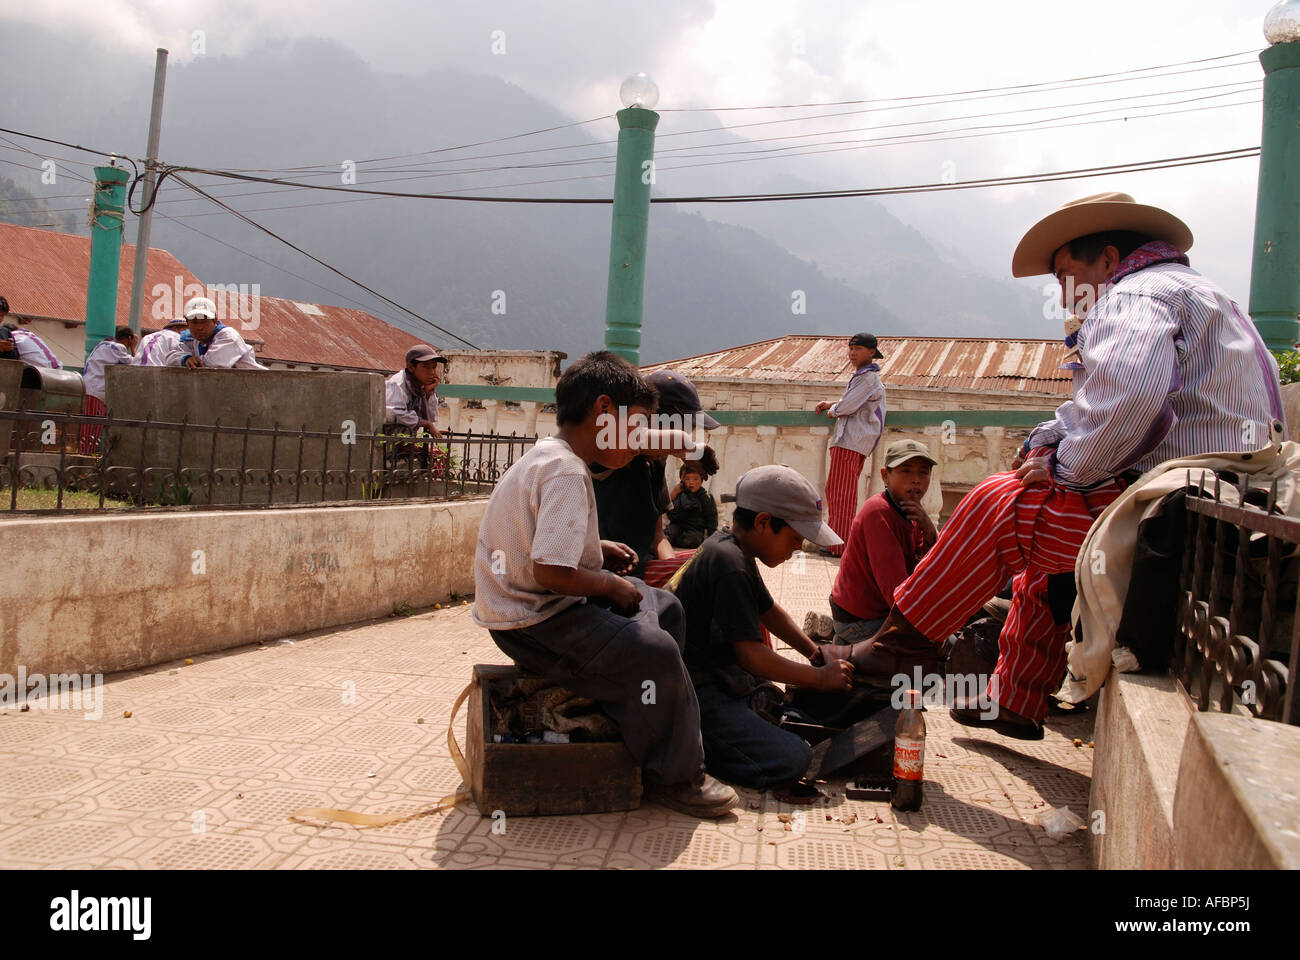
[1078, 218]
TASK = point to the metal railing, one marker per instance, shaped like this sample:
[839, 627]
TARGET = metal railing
[1237, 640]
[154, 463]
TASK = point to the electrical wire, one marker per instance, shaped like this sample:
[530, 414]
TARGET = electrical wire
[271, 233]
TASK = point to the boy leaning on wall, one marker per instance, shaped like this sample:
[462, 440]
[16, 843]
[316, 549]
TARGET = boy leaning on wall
[549, 590]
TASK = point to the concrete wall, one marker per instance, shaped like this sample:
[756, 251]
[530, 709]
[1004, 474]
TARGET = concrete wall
[504, 368]
[1180, 789]
[115, 592]
[11, 378]
[292, 398]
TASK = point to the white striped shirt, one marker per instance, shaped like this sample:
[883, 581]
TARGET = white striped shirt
[160, 349]
[1172, 368]
[860, 413]
[106, 353]
[33, 351]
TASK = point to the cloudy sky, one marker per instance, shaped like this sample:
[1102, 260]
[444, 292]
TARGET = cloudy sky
[759, 53]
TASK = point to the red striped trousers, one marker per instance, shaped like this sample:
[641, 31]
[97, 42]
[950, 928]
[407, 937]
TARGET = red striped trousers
[91, 407]
[842, 492]
[1000, 530]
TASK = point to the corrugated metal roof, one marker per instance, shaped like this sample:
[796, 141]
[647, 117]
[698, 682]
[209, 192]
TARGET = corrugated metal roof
[45, 275]
[311, 333]
[936, 363]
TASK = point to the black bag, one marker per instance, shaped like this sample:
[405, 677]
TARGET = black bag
[1149, 623]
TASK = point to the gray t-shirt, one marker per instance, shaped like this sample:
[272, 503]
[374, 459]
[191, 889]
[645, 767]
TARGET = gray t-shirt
[543, 509]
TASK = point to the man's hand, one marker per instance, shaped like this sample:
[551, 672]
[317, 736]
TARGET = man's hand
[1018, 462]
[619, 557]
[823, 406]
[916, 513]
[1035, 470]
[193, 363]
[835, 677]
[624, 597]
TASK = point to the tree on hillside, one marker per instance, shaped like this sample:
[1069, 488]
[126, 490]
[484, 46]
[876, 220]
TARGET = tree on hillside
[25, 209]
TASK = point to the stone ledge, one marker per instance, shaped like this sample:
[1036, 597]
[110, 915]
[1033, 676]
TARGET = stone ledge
[1142, 722]
[118, 591]
[1238, 799]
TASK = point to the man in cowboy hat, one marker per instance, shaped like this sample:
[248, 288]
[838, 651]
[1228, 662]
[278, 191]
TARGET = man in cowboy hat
[1165, 365]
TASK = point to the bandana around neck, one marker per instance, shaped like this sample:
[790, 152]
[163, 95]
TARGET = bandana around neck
[1147, 255]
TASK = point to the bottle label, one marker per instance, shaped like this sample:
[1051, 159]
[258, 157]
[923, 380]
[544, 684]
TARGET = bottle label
[909, 758]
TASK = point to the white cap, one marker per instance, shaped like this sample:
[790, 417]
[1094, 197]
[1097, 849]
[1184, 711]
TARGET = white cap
[200, 307]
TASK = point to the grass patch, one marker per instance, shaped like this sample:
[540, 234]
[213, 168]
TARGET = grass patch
[34, 499]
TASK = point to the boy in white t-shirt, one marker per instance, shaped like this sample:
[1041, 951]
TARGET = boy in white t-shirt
[549, 590]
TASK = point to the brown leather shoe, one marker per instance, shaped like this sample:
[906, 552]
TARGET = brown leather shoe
[1007, 723]
[701, 796]
[898, 647]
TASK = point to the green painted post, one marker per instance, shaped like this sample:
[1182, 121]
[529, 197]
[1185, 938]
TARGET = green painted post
[1275, 263]
[108, 208]
[633, 176]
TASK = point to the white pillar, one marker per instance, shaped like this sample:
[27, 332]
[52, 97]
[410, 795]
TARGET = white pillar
[768, 435]
[530, 417]
[872, 484]
[993, 441]
[934, 437]
[821, 443]
[718, 441]
[490, 406]
[453, 407]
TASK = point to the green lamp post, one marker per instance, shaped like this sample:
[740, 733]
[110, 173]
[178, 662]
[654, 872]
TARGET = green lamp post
[633, 177]
[1275, 263]
[107, 208]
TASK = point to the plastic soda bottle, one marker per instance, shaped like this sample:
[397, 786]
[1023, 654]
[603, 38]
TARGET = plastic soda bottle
[909, 754]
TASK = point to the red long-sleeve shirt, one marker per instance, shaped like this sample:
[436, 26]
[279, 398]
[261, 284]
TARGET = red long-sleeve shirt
[881, 551]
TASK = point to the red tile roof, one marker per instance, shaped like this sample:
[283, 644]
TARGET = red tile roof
[310, 333]
[44, 274]
[941, 363]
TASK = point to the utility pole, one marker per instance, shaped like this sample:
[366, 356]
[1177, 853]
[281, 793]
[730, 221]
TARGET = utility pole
[633, 176]
[150, 179]
[1275, 260]
[106, 211]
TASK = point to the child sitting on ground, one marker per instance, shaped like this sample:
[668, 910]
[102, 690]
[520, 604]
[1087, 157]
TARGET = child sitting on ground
[727, 605]
[548, 590]
[889, 535]
[693, 515]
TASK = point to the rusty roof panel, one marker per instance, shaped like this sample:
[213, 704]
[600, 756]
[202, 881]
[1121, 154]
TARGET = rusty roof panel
[46, 273]
[937, 363]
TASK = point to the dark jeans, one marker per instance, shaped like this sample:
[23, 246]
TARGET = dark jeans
[741, 747]
[684, 538]
[632, 667]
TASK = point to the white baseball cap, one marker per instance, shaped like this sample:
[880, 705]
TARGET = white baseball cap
[200, 308]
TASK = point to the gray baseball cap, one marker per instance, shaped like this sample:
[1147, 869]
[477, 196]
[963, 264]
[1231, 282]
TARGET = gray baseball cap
[783, 492]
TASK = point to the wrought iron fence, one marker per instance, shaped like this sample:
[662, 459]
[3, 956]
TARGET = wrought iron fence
[146, 463]
[1237, 640]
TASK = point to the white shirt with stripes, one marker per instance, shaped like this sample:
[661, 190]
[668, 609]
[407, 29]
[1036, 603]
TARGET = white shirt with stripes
[159, 349]
[1172, 368]
[860, 413]
[106, 353]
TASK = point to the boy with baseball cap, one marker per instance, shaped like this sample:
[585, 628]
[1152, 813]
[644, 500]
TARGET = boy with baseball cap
[727, 605]
[889, 535]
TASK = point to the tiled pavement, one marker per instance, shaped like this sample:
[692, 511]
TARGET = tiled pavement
[216, 755]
